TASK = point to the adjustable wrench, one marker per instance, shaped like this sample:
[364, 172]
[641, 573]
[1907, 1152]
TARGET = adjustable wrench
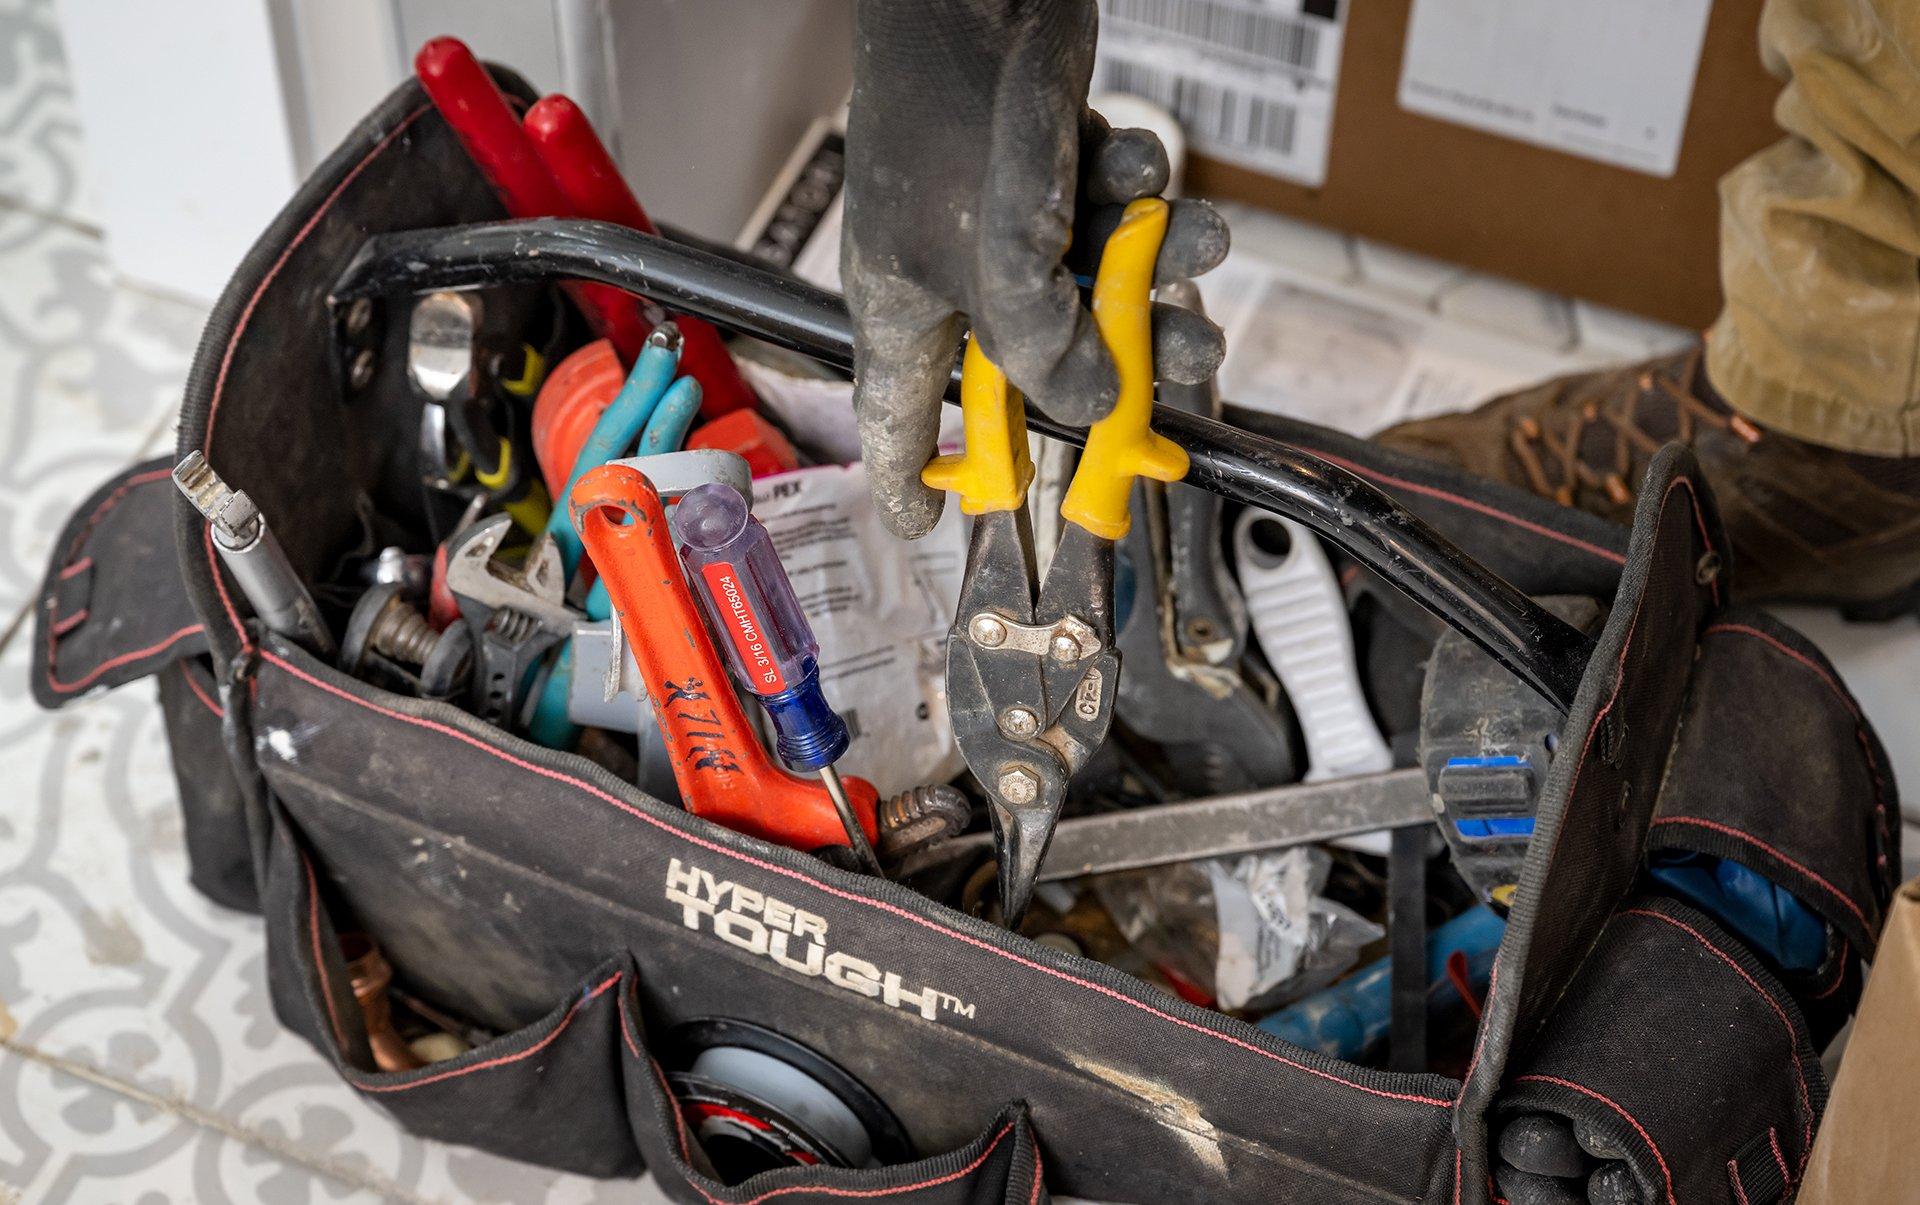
[1182, 641]
[515, 612]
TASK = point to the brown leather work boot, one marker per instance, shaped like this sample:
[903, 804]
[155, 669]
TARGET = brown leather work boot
[1807, 523]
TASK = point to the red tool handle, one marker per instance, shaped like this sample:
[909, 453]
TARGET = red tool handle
[724, 774]
[579, 163]
[592, 184]
[747, 433]
[486, 126]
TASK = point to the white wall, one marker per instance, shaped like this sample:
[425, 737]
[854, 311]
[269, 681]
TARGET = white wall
[714, 94]
[184, 123]
[200, 119]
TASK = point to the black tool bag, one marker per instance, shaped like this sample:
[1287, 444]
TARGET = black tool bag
[534, 894]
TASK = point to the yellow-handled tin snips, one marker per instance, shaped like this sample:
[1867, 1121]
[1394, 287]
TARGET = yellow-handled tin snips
[1031, 666]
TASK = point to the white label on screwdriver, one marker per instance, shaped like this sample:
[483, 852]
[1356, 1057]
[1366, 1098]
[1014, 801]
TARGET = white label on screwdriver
[743, 627]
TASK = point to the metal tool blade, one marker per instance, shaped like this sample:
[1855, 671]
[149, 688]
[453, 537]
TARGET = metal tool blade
[1251, 822]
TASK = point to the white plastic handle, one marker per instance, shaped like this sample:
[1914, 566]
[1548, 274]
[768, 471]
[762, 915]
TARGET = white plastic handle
[1300, 618]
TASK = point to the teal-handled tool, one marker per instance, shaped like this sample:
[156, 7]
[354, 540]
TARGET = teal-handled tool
[665, 432]
[651, 400]
[656, 410]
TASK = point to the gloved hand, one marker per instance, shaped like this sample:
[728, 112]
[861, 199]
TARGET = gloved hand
[1546, 1159]
[973, 163]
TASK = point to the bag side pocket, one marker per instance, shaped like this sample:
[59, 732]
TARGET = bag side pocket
[548, 1092]
[1002, 1163]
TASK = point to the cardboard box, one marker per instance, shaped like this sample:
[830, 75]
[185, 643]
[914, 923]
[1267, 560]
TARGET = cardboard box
[1865, 1149]
[1570, 224]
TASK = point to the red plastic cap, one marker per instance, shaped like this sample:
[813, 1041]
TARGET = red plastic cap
[767, 451]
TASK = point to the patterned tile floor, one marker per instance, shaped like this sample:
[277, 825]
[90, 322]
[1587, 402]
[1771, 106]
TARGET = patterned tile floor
[138, 1057]
[139, 1060]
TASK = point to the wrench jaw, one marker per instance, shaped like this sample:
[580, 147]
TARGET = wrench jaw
[512, 645]
[515, 613]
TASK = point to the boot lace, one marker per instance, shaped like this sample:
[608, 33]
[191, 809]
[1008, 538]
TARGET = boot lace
[1558, 442]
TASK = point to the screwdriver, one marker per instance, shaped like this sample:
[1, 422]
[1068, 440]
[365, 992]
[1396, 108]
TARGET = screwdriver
[744, 591]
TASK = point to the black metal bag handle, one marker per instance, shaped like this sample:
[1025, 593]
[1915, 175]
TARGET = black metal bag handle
[1368, 524]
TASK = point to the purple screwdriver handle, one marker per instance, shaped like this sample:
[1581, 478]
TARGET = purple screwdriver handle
[750, 605]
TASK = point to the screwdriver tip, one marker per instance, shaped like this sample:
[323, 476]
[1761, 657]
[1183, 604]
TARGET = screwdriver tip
[850, 820]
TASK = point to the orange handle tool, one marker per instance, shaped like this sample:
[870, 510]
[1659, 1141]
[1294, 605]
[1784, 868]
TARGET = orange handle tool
[724, 774]
[594, 188]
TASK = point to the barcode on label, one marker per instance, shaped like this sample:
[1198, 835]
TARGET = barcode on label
[1231, 27]
[1207, 111]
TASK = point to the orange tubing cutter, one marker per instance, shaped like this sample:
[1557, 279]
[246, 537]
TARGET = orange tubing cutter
[724, 773]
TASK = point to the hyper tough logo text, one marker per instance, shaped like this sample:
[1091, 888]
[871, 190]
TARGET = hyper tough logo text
[794, 938]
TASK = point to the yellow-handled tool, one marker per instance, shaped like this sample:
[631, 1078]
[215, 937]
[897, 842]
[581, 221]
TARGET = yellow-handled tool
[1031, 667]
[996, 468]
[1123, 445]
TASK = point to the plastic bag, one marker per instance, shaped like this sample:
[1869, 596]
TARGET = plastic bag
[1253, 931]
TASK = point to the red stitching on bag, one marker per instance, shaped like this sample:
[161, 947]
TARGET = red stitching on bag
[1793, 1043]
[107, 503]
[300, 236]
[1739, 1191]
[680, 1127]
[1034, 1199]
[679, 1122]
[1583, 1090]
[770, 868]
[246, 316]
[1839, 975]
[62, 626]
[111, 662]
[358, 1077]
[1839, 692]
[1620, 665]
[199, 693]
[625, 1034]
[1773, 1140]
[934, 1182]
[319, 963]
[1472, 505]
[1730, 831]
[1619, 669]
[73, 567]
[220, 588]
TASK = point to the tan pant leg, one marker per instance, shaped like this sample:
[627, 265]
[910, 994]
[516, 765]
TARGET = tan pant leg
[1820, 234]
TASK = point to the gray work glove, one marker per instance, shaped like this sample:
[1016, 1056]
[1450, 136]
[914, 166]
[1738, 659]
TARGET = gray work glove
[973, 163]
[1546, 1159]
